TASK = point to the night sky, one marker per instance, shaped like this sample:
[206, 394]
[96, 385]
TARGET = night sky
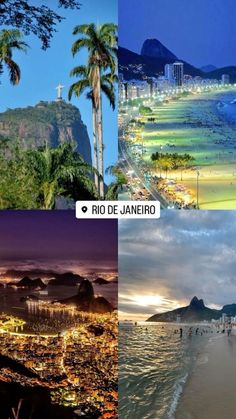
[200, 32]
[56, 235]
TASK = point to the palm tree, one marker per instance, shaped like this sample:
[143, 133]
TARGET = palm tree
[85, 83]
[11, 40]
[117, 185]
[53, 167]
[187, 161]
[164, 162]
[101, 43]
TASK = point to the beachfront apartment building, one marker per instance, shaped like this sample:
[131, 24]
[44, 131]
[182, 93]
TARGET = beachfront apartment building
[225, 79]
[134, 89]
[169, 73]
[174, 73]
[123, 91]
[178, 71]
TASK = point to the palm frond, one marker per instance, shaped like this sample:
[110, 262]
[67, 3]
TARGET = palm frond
[80, 44]
[14, 71]
[78, 88]
[110, 94]
[80, 70]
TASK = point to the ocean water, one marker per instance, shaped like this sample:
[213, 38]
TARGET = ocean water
[154, 365]
[226, 108]
[10, 298]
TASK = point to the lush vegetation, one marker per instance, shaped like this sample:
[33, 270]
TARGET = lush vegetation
[45, 112]
[172, 161]
[145, 110]
[37, 178]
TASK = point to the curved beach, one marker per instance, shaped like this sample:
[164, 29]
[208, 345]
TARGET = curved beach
[197, 125]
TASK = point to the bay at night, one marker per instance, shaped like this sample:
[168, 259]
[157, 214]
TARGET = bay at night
[58, 323]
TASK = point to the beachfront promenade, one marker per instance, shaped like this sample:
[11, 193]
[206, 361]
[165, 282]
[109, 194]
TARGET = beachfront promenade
[210, 391]
[191, 124]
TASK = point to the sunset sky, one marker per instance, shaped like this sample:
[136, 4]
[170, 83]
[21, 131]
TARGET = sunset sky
[164, 263]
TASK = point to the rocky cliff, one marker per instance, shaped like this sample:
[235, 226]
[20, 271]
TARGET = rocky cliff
[51, 122]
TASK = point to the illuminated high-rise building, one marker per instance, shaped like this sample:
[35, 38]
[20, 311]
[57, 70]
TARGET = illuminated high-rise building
[178, 71]
[169, 73]
[225, 79]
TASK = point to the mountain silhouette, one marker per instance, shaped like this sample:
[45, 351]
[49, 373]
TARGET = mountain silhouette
[195, 311]
[66, 278]
[101, 281]
[85, 300]
[208, 68]
[154, 48]
[26, 282]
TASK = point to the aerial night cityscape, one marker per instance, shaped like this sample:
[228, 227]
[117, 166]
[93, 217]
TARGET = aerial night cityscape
[58, 321]
[176, 120]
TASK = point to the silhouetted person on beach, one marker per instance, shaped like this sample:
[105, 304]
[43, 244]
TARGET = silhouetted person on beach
[229, 329]
[180, 332]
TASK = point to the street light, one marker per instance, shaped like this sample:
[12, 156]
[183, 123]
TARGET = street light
[198, 174]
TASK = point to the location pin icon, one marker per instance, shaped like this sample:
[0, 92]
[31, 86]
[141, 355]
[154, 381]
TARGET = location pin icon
[84, 209]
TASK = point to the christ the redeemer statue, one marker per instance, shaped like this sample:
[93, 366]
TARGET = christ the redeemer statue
[59, 91]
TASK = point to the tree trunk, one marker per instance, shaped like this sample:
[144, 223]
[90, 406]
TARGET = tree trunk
[95, 148]
[100, 139]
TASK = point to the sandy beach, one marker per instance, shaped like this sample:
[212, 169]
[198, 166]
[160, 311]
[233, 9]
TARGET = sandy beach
[210, 391]
[195, 125]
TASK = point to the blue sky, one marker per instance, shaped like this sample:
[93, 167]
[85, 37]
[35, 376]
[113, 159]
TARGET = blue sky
[198, 31]
[43, 70]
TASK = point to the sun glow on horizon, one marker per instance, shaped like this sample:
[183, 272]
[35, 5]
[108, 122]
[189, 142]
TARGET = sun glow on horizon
[142, 306]
[148, 300]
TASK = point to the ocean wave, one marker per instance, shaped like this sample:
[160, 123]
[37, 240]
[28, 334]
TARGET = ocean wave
[178, 389]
